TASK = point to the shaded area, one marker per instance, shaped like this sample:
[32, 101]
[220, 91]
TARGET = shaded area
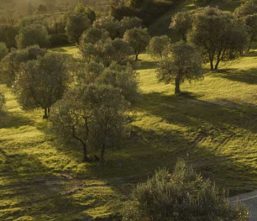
[244, 76]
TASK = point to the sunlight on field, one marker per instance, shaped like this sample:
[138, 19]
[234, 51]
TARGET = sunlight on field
[213, 127]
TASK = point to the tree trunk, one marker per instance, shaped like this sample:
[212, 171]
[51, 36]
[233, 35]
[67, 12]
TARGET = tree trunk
[85, 159]
[136, 58]
[45, 113]
[177, 86]
[102, 153]
[211, 61]
[217, 64]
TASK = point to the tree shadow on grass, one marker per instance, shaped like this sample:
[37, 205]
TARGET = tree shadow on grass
[149, 151]
[144, 65]
[192, 112]
[244, 76]
[36, 191]
[8, 120]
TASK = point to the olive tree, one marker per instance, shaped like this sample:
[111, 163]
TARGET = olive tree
[181, 195]
[78, 21]
[158, 45]
[251, 22]
[33, 34]
[92, 43]
[12, 62]
[184, 64]
[138, 38]
[95, 44]
[91, 115]
[7, 35]
[122, 77]
[213, 31]
[181, 24]
[42, 82]
[110, 24]
[127, 23]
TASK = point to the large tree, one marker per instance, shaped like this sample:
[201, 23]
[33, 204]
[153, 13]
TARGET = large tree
[138, 38]
[92, 115]
[33, 34]
[184, 64]
[213, 31]
[179, 196]
[42, 82]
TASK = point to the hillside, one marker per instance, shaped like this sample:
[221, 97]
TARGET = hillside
[213, 127]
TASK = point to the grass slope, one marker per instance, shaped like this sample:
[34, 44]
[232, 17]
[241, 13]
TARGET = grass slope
[161, 25]
[213, 127]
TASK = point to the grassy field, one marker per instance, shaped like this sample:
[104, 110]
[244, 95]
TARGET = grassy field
[213, 127]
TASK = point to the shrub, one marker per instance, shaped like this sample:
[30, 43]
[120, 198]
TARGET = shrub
[180, 196]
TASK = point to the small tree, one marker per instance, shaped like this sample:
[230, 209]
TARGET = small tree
[11, 64]
[110, 24]
[212, 31]
[42, 82]
[181, 24]
[138, 39]
[251, 22]
[127, 23]
[180, 196]
[116, 50]
[79, 21]
[33, 34]
[122, 77]
[158, 45]
[92, 43]
[184, 64]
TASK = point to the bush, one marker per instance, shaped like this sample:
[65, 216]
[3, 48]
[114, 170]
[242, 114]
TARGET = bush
[34, 34]
[181, 196]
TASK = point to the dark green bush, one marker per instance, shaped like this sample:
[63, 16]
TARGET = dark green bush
[181, 196]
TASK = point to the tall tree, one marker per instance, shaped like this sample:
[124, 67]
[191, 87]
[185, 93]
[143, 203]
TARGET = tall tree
[42, 82]
[184, 64]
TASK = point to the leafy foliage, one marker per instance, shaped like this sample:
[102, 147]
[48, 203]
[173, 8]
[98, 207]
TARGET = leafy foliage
[138, 39]
[184, 64]
[219, 35]
[42, 82]
[33, 34]
[11, 63]
[180, 196]
[159, 46]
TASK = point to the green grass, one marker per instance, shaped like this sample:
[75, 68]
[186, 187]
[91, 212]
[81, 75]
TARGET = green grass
[213, 127]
